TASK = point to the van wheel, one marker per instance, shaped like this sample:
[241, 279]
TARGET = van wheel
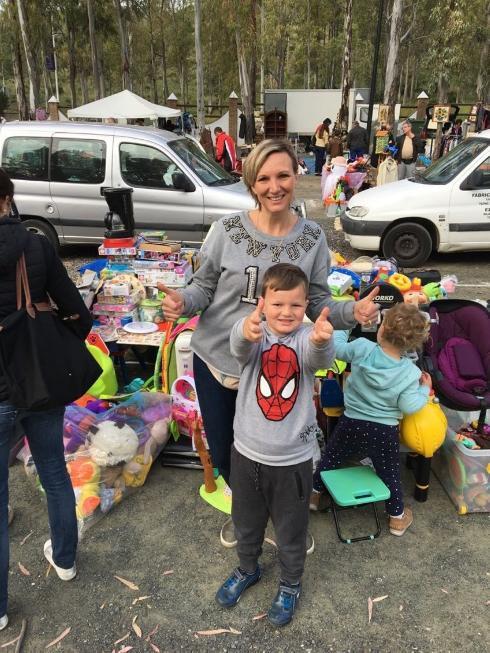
[43, 229]
[409, 243]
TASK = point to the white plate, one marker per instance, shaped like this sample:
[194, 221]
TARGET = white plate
[140, 327]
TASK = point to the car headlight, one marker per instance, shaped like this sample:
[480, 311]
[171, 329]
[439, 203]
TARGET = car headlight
[358, 211]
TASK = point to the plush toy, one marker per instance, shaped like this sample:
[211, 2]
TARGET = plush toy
[83, 471]
[112, 443]
[88, 500]
[136, 471]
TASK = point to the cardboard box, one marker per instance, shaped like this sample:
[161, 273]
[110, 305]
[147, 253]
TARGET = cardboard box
[165, 247]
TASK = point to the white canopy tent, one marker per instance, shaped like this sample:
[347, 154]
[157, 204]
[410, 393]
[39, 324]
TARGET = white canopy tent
[124, 105]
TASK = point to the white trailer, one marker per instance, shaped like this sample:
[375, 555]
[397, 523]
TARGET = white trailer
[307, 108]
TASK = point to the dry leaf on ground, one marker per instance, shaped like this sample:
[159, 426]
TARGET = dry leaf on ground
[259, 616]
[168, 572]
[122, 639]
[125, 649]
[128, 583]
[154, 647]
[59, 638]
[370, 609]
[218, 631]
[443, 590]
[140, 598]
[135, 627]
[23, 570]
[26, 538]
[152, 632]
[380, 598]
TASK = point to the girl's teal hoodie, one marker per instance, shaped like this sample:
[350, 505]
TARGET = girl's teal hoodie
[379, 388]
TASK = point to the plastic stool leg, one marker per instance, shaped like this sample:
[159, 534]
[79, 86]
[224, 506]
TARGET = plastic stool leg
[351, 540]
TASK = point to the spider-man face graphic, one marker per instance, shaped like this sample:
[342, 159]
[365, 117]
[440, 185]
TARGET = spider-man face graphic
[278, 382]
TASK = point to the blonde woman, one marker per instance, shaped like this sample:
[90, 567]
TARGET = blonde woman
[234, 258]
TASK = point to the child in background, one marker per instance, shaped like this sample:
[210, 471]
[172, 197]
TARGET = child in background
[383, 385]
[275, 434]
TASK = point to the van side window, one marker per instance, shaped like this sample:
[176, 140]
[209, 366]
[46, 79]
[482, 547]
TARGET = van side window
[480, 178]
[26, 158]
[145, 166]
[78, 161]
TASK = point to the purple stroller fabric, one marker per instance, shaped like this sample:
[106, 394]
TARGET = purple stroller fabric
[459, 318]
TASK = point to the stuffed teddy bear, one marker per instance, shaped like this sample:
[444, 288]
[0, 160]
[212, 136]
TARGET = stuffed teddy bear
[112, 443]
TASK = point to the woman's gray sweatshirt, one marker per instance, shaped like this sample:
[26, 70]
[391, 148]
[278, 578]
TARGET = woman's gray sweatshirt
[275, 418]
[227, 284]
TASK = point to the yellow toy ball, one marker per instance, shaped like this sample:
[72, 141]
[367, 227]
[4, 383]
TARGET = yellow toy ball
[425, 430]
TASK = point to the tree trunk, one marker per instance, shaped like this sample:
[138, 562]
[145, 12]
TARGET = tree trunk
[84, 86]
[32, 71]
[199, 67]
[94, 54]
[392, 60]
[166, 91]
[405, 86]
[20, 91]
[245, 88]
[343, 115]
[72, 68]
[153, 73]
[483, 78]
[123, 38]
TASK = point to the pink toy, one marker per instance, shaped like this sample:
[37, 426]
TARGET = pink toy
[185, 403]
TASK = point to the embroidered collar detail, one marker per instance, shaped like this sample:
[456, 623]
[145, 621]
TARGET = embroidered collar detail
[305, 240]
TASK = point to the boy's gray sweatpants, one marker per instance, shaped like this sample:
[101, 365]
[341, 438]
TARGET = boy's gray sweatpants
[281, 493]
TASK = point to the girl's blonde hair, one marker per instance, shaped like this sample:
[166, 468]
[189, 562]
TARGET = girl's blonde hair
[405, 327]
[259, 155]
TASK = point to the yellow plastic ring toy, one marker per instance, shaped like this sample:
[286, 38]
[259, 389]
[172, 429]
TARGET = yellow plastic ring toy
[400, 281]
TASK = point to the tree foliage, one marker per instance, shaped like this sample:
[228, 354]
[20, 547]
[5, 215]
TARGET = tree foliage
[149, 45]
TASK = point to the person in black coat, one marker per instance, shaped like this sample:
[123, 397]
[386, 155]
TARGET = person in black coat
[357, 141]
[409, 148]
[43, 429]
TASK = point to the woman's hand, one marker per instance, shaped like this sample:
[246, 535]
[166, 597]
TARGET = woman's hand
[252, 327]
[173, 303]
[365, 310]
[322, 330]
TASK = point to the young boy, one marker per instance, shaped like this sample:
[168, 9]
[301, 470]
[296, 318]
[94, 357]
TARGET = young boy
[275, 433]
[383, 386]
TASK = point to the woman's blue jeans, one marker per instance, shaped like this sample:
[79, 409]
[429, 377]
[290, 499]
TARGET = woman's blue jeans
[44, 431]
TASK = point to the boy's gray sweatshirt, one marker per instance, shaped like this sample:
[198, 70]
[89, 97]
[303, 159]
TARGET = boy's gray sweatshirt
[228, 282]
[275, 419]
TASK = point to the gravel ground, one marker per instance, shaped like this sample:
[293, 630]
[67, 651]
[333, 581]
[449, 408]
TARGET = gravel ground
[432, 585]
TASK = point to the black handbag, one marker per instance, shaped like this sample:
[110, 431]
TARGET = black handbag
[44, 363]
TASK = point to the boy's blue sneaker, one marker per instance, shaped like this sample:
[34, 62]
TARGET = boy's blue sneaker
[237, 582]
[284, 604]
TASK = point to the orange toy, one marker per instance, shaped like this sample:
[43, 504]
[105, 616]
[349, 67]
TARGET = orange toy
[82, 471]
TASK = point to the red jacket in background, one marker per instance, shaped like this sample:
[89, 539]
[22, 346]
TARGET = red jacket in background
[225, 151]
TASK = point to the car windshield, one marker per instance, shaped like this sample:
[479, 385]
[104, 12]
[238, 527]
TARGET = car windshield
[447, 167]
[208, 171]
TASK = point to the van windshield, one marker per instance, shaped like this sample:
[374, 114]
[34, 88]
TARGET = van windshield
[447, 167]
[208, 171]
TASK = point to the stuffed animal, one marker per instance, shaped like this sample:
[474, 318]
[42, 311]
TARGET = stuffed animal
[112, 443]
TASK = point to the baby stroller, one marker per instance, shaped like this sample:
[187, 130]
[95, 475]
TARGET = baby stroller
[457, 355]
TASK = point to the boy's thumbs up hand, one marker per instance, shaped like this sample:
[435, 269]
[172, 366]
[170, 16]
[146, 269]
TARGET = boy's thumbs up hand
[322, 329]
[173, 303]
[252, 327]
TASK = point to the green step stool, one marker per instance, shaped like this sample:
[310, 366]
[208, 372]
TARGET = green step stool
[350, 487]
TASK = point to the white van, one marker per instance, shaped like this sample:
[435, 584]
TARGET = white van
[445, 208]
[60, 169]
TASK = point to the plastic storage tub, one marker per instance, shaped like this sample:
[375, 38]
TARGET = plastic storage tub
[464, 473]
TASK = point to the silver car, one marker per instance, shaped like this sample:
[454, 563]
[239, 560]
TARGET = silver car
[60, 169]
